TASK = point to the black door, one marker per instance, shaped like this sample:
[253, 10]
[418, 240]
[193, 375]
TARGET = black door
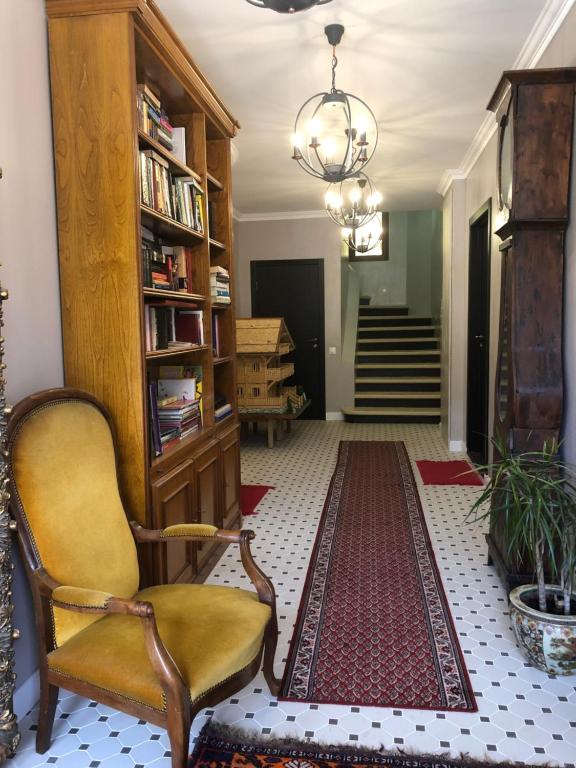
[478, 335]
[294, 290]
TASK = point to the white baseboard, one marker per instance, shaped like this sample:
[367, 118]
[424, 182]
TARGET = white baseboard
[334, 416]
[457, 446]
[26, 695]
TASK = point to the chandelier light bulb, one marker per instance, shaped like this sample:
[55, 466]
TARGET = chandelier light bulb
[341, 129]
[355, 195]
[363, 239]
[353, 203]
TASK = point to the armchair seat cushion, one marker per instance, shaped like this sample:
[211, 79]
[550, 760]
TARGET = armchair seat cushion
[211, 633]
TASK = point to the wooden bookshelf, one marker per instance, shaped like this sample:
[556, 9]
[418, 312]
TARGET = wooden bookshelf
[158, 293]
[100, 215]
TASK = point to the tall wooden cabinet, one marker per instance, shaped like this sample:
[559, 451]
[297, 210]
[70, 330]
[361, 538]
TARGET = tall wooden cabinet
[535, 110]
[99, 52]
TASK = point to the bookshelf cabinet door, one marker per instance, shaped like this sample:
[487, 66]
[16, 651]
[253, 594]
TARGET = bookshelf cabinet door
[206, 468]
[230, 448]
[173, 503]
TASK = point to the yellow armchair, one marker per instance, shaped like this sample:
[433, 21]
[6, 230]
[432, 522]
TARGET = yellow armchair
[161, 653]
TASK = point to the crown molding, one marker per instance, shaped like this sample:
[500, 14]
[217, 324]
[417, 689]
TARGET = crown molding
[449, 176]
[279, 215]
[547, 24]
[543, 31]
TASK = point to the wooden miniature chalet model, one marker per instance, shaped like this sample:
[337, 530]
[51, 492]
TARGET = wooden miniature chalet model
[261, 343]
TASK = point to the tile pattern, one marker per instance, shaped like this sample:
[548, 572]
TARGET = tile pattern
[524, 715]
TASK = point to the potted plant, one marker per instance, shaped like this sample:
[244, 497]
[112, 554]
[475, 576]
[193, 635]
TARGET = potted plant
[532, 496]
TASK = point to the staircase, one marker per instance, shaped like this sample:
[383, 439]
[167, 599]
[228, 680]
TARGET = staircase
[397, 371]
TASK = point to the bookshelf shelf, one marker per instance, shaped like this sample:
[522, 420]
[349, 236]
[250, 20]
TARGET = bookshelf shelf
[149, 89]
[214, 184]
[176, 166]
[175, 352]
[217, 245]
[168, 228]
[172, 453]
[218, 307]
[158, 293]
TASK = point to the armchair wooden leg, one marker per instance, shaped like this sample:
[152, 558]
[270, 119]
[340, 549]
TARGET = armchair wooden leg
[179, 736]
[270, 642]
[46, 712]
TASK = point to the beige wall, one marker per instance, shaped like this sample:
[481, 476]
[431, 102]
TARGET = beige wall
[299, 239]
[28, 244]
[480, 185]
[454, 316]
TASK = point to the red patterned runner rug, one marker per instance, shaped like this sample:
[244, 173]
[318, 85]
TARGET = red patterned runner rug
[374, 627]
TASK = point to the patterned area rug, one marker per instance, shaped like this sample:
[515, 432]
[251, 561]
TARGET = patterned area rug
[374, 627]
[220, 747]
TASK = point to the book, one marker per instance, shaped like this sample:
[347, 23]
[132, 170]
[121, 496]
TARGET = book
[155, 442]
[215, 335]
[189, 325]
[179, 389]
[148, 94]
[179, 144]
[180, 372]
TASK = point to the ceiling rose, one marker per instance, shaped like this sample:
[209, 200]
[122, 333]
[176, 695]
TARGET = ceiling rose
[287, 6]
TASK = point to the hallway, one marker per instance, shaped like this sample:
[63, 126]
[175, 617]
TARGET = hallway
[523, 715]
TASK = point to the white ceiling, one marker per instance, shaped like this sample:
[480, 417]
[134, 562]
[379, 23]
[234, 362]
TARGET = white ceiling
[426, 67]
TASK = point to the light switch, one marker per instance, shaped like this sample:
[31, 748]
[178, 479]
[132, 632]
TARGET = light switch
[331, 350]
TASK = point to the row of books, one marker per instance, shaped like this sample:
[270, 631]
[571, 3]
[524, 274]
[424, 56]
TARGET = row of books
[173, 326]
[178, 197]
[220, 285]
[165, 267]
[175, 405]
[152, 119]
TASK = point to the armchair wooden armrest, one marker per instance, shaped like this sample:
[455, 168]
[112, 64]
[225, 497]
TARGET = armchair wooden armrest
[200, 532]
[94, 601]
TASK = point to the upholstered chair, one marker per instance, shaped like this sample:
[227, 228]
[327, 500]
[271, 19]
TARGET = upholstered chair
[161, 653]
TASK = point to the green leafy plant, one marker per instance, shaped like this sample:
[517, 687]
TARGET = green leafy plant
[533, 496]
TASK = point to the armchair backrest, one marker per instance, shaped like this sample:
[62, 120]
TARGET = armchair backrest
[65, 497]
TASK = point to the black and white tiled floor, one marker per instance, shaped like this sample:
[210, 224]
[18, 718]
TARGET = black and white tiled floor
[523, 714]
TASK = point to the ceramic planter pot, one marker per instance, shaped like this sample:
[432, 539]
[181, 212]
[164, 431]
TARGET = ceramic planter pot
[548, 641]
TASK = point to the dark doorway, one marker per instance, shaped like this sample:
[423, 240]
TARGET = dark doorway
[477, 429]
[294, 290]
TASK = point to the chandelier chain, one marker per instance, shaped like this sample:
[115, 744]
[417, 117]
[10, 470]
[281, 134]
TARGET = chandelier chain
[334, 65]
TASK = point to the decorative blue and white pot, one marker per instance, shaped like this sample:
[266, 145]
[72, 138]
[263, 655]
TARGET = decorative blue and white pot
[547, 640]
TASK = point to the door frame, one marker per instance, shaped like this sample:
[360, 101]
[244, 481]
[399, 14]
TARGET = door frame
[321, 339]
[485, 211]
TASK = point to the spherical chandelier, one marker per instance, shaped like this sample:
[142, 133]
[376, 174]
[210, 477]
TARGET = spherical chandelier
[353, 202]
[287, 6]
[335, 132]
[365, 238]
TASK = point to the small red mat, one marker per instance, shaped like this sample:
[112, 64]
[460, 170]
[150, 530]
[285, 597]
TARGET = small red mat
[251, 496]
[448, 473]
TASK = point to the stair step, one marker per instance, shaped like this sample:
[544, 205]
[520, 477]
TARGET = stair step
[392, 328]
[396, 345]
[393, 415]
[417, 405]
[368, 310]
[397, 384]
[397, 370]
[398, 379]
[401, 340]
[367, 321]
